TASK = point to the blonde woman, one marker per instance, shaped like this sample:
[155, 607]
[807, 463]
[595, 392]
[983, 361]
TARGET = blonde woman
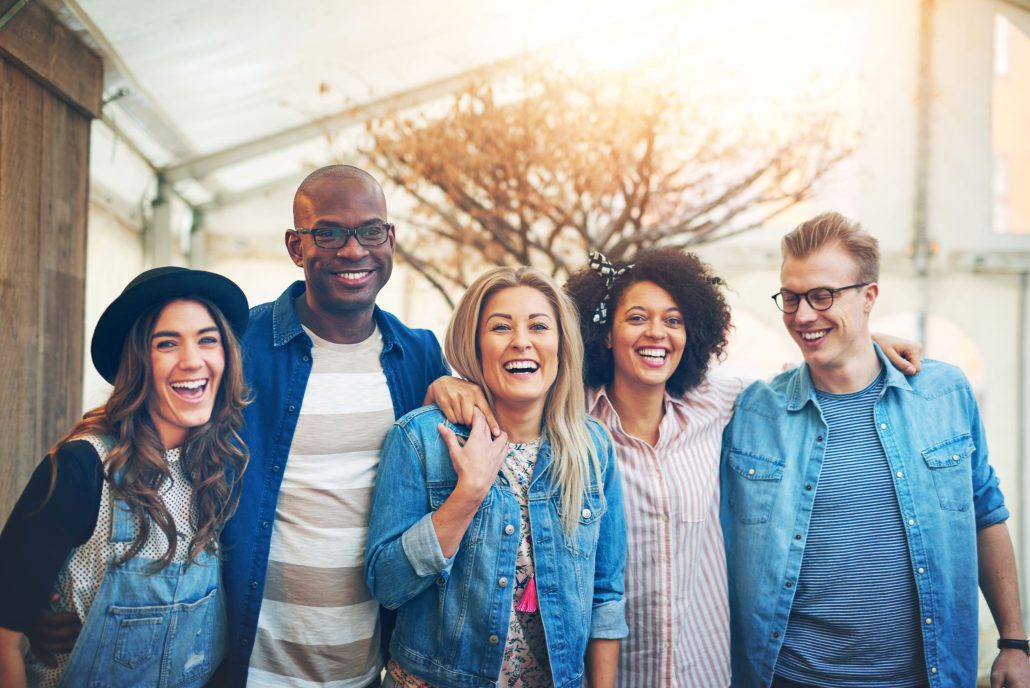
[483, 543]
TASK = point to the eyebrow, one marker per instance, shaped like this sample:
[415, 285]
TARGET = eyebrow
[508, 317]
[641, 308]
[171, 333]
[329, 224]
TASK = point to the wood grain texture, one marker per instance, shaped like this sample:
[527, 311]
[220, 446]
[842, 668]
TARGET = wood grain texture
[53, 54]
[21, 141]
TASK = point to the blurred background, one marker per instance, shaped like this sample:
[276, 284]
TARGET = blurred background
[137, 134]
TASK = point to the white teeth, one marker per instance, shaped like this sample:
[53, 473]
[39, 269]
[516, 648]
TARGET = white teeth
[189, 384]
[653, 353]
[354, 275]
[520, 366]
[812, 336]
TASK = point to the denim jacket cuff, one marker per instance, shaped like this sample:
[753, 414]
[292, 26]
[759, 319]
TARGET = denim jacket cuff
[609, 620]
[998, 515]
[422, 548]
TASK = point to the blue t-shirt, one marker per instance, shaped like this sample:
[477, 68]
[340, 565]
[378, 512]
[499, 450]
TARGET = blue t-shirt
[855, 616]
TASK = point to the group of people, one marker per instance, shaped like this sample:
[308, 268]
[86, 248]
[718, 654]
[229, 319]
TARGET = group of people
[304, 495]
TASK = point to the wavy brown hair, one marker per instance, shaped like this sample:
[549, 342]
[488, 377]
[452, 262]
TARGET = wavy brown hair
[213, 455]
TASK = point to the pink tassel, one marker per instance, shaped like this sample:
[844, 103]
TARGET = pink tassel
[528, 601]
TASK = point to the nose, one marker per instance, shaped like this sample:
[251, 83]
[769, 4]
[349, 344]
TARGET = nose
[520, 339]
[191, 358]
[655, 329]
[351, 249]
[805, 313]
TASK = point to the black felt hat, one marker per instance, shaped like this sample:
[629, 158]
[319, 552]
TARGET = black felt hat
[154, 287]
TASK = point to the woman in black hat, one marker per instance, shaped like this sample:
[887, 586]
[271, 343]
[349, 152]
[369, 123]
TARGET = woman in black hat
[123, 516]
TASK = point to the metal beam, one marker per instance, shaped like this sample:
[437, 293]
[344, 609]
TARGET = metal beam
[200, 167]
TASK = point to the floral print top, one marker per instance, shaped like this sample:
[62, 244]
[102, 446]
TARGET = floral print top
[525, 662]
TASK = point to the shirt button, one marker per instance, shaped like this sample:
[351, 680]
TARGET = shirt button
[264, 524]
[275, 469]
[920, 569]
[954, 457]
[244, 641]
[751, 471]
[929, 621]
[502, 582]
[808, 487]
[933, 670]
[789, 584]
[776, 634]
[253, 585]
[911, 521]
[305, 358]
[900, 474]
[509, 529]
[819, 438]
[586, 513]
[291, 408]
[797, 536]
[493, 640]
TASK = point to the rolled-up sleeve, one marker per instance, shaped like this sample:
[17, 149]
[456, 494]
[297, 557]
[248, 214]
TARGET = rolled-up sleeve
[402, 555]
[608, 618]
[988, 501]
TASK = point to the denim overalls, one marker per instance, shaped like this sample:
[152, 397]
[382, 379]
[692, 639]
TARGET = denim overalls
[150, 629]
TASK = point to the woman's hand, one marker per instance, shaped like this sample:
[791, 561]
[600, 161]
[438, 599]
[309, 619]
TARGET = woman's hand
[904, 354]
[477, 464]
[457, 400]
[12, 664]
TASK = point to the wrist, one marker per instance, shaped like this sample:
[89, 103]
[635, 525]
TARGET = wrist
[1017, 644]
[469, 495]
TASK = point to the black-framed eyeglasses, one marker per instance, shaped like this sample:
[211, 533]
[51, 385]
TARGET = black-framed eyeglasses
[820, 298]
[336, 237]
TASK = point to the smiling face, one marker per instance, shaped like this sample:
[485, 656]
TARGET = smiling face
[647, 336]
[828, 339]
[186, 361]
[347, 279]
[518, 341]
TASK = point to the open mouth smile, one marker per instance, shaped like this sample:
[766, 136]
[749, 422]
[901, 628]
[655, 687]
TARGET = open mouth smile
[521, 368]
[190, 390]
[653, 356]
[352, 276]
[813, 337]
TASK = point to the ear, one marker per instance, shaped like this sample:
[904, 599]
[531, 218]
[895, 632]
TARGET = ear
[871, 292]
[608, 339]
[293, 247]
[392, 240]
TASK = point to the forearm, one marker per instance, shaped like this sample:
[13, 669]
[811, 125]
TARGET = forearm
[452, 519]
[12, 664]
[998, 579]
[601, 661]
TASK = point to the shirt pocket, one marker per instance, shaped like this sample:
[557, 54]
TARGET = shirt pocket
[755, 484]
[582, 541]
[438, 494]
[950, 463]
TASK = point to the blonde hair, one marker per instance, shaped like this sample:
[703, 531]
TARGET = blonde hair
[565, 420]
[831, 229]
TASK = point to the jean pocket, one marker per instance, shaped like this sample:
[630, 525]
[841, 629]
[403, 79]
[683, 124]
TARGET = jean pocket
[950, 463]
[755, 484]
[582, 540]
[140, 634]
[199, 641]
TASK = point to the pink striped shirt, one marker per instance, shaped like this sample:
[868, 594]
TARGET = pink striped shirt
[676, 598]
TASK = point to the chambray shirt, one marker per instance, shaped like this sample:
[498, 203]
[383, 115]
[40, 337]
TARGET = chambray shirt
[277, 364]
[453, 612]
[773, 449]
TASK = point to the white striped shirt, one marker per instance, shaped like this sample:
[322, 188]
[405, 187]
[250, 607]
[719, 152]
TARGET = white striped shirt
[319, 625]
[676, 595]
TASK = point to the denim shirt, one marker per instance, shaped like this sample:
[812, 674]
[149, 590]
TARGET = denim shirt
[277, 364]
[930, 429]
[453, 612]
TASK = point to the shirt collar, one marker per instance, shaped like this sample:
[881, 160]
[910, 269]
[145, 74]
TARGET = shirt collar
[801, 390]
[286, 323]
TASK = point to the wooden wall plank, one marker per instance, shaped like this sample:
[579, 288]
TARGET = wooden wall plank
[62, 265]
[21, 141]
[52, 53]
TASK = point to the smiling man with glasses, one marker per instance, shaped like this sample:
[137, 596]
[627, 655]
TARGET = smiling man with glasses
[858, 507]
[331, 371]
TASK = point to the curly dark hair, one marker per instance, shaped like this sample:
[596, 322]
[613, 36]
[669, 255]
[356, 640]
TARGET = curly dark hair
[694, 288]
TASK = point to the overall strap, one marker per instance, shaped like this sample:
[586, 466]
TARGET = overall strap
[123, 525]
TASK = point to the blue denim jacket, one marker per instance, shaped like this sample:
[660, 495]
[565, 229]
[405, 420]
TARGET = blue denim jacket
[772, 453]
[453, 612]
[277, 363]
